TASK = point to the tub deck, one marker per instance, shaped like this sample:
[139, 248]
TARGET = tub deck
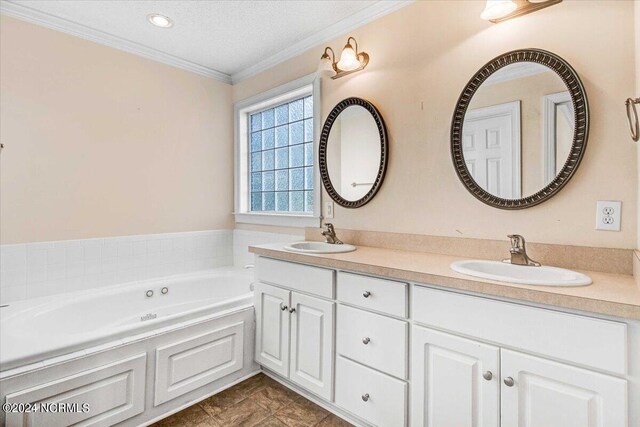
[72, 324]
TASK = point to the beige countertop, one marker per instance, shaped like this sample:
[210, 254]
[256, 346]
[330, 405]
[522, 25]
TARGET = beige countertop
[610, 294]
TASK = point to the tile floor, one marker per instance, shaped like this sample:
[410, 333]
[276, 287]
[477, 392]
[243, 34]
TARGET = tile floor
[257, 401]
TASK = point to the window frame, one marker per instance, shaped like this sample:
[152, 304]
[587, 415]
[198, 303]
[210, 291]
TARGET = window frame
[304, 86]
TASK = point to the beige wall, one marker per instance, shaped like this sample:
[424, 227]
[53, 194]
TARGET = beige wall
[637, 94]
[104, 143]
[423, 55]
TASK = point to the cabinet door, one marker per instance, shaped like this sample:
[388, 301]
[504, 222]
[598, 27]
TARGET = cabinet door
[272, 327]
[449, 388]
[551, 394]
[312, 344]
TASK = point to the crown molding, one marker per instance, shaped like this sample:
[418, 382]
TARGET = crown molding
[354, 21]
[25, 13]
[28, 14]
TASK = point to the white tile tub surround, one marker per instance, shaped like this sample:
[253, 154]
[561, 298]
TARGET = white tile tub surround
[38, 269]
[242, 239]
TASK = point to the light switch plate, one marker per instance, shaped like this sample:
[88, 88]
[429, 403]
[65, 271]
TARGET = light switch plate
[608, 215]
[328, 210]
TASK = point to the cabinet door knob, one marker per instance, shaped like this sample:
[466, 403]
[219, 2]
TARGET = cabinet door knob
[487, 375]
[509, 382]
[366, 294]
[366, 340]
[283, 307]
[365, 397]
[292, 310]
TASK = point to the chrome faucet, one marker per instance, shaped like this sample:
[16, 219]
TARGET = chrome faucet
[519, 253]
[330, 235]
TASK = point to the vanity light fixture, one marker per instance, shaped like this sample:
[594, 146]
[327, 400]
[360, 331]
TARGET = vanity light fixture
[501, 10]
[160, 21]
[350, 60]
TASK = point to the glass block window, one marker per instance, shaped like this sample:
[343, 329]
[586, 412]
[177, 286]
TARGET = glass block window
[281, 158]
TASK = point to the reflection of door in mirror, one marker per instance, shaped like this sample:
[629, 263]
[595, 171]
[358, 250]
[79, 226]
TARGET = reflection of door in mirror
[558, 124]
[550, 128]
[529, 84]
[353, 153]
[491, 144]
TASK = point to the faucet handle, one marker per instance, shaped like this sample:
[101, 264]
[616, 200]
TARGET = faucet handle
[517, 241]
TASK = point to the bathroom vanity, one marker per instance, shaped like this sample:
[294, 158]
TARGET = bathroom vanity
[392, 338]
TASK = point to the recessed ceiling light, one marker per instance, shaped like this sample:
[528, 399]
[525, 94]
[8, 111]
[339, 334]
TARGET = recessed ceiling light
[160, 20]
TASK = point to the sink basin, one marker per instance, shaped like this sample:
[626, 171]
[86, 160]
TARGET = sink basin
[319, 248]
[524, 275]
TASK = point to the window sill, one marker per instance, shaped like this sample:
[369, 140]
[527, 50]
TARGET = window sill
[281, 220]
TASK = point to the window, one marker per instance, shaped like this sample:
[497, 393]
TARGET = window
[276, 144]
[281, 165]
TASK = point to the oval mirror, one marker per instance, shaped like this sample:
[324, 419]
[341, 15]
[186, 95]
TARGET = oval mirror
[353, 152]
[520, 129]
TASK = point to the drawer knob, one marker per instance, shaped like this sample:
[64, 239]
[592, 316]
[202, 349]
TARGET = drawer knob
[149, 293]
[509, 382]
[366, 294]
[365, 397]
[283, 307]
[366, 340]
[292, 310]
[487, 375]
[164, 290]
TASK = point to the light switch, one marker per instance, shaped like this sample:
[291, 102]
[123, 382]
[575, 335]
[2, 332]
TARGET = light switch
[328, 210]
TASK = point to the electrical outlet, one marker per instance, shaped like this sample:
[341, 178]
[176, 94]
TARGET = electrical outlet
[608, 215]
[328, 210]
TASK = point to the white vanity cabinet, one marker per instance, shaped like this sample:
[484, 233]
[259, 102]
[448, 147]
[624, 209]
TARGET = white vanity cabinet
[294, 331]
[418, 355]
[379, 399]
[372, 349]
[464, 382]
[455, 381]
[273, 323]
[311, 361]
[540, 392]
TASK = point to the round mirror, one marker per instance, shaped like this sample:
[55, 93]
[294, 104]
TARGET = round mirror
[520, 129]
[353, 152]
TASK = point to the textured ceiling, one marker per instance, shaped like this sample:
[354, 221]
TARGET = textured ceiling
[227, 36]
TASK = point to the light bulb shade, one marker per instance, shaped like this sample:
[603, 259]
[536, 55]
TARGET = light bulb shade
[496, 9]
[325, 66]
[348, 59]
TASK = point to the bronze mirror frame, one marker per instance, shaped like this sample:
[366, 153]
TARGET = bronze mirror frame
[580, 133]
[322, 157]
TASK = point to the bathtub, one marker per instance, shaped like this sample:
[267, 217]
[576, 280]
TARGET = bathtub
[35, 330]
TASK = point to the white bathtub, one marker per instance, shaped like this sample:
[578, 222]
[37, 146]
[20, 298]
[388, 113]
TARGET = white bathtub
[35, 330]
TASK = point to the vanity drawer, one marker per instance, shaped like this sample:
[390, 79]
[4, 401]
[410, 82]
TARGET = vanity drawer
[386, 402]
[385, 296]
[304, 278]
[577, 339]
[386, 348]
